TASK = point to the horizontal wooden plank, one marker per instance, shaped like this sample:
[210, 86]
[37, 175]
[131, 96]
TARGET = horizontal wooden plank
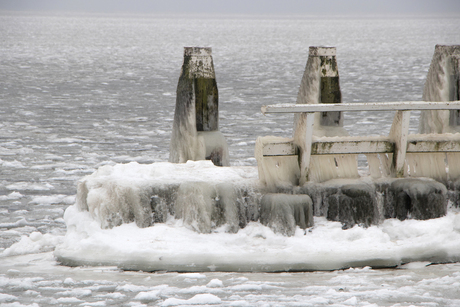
[356, 145]
[352, 147]
[433, 146]
[369, 106]
[279, 149]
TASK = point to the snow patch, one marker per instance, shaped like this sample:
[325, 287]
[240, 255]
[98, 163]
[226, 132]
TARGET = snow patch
[199, 299]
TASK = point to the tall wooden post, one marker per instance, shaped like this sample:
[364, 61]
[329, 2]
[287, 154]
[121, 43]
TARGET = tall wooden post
[330, 86]
[442, 84]
[320, 83]
[196, 133]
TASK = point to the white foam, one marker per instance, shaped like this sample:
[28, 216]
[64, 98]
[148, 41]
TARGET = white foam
[11, 196]
[53, 199]
[7, 298]
[11, 164]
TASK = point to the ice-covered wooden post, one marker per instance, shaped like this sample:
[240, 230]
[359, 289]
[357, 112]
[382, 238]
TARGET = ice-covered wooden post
[320, 83]
[442, 84]
[196, 134]
[277, 157]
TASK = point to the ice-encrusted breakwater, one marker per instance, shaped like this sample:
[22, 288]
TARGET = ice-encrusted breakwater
[207, 197]
[200, 217]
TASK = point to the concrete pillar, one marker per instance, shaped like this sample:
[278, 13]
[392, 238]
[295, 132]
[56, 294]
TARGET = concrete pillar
[196, 134]
[320, 83]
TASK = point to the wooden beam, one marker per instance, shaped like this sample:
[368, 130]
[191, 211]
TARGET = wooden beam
[279, 149]
[352, 147]
[369, 106]
[361, 147]
[433, 146]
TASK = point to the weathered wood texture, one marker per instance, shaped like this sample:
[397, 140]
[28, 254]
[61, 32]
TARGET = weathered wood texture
[329, 84]
[207, 104]
[197, 86]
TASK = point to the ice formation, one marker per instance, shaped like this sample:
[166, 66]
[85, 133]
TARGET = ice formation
[283, 212]
[172, 246]
[203, 195]
[276, 171]
[205, 218]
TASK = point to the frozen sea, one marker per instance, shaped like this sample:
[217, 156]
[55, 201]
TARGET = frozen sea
[81, 91]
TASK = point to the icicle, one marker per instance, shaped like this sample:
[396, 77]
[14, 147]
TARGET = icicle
[327, 167]
[379, 165]
[431, 165]
[276, 171]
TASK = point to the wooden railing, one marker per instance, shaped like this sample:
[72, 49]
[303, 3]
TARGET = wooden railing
[398, 142]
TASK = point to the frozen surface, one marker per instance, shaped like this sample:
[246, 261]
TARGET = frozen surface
[172, 246]
[81, 91]
[35, 279]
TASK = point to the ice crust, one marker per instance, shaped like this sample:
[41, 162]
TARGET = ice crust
[174, 247]
[223, 244]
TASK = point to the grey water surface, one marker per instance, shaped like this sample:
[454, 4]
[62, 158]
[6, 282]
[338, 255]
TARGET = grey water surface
[81, 91]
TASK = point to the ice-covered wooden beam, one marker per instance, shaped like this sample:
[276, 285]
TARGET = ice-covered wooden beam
[361, 106]
[416, 143]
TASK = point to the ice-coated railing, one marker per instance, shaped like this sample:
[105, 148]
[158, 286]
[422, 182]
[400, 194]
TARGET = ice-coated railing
[398, 142]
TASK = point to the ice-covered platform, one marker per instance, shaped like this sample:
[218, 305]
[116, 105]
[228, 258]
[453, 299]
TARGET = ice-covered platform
[134, 216]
